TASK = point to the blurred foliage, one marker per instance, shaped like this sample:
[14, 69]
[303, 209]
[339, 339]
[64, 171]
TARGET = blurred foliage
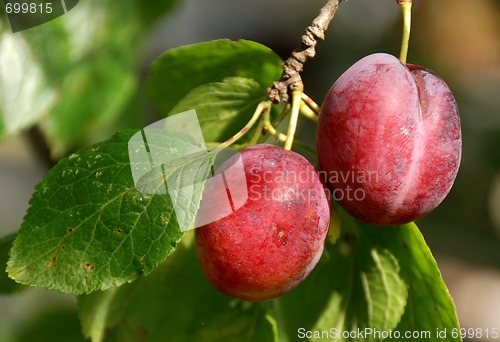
[7, 285]
[92, 52]
[54, 324]
[491, 147]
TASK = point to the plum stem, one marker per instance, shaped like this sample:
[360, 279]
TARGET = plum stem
[258, 132]
[310, 102]
[291, 79]
[269, 128]
[406, 8]
[262, 107]
[309, 108]
[274, 133]
[284, 112]
[307, 112]
[294, 117]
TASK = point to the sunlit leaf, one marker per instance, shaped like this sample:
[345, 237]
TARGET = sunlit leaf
[76, 74]
[88, 228]
[178, 71]
[223, 108]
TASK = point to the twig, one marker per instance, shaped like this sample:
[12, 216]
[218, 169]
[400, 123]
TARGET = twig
[291, 80]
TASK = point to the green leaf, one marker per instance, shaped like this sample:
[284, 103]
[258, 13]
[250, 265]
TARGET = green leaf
[430, 307]
[175, 301]
[174, 74]
[88, 228]
[379, 278]
[359, 286]
[223, 108]
[7, 285]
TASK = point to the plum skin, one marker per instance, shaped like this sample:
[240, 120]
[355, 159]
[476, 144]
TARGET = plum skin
[270, 244]
[398, 124]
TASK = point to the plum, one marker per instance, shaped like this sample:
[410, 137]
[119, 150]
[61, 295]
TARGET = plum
[274, 240]
[389, 140]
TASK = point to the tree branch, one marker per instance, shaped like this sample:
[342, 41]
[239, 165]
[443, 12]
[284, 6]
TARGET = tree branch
[291, 79]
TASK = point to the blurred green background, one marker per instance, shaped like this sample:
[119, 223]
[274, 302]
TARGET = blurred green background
[79, 78]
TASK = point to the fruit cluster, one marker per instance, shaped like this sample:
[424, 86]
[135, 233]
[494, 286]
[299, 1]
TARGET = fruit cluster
[389, 133]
